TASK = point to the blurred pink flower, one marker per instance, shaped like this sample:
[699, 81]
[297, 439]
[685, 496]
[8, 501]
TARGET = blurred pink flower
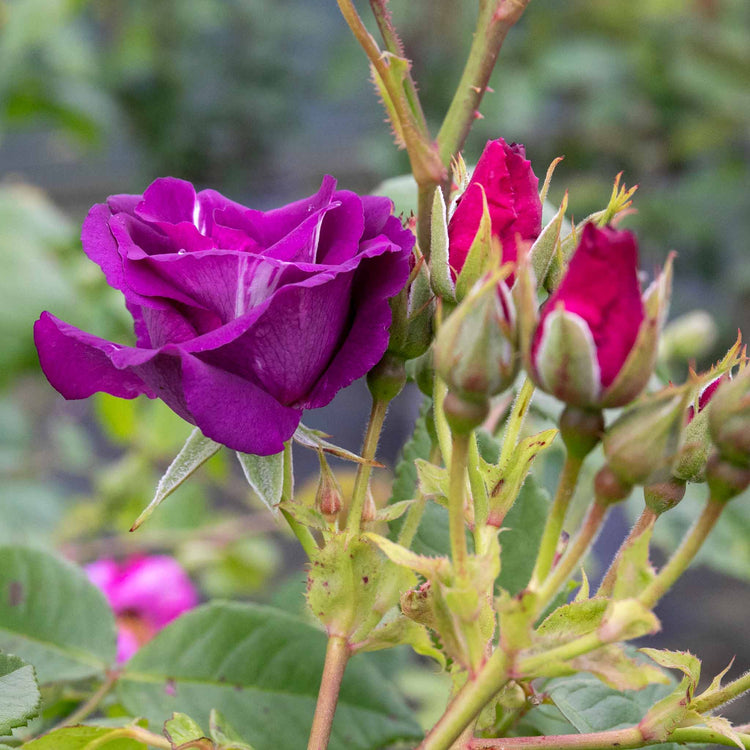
[145, 593]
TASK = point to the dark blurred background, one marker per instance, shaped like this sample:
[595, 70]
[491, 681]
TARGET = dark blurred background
[259, 99]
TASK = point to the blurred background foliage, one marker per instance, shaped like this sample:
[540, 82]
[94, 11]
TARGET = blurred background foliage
[260, 98]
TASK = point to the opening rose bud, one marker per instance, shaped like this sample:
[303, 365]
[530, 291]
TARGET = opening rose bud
[729, 419]
[242, 318]
[596, 341]
[512, 192]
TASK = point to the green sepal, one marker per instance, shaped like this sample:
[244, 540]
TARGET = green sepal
[634, 571]
[315, 439]
[542, 251]
[196, 451]
[440, 272]
[640, 363]
[566, 362]
[484, 254]
[265, 475]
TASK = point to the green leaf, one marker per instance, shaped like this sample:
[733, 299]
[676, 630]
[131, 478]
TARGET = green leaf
[261, 668]
[265, 474]
[433, 480]
[181, 728]
[82, 737]
[634, 571]
[591, 706]
[224, 734]
[52, 616]
[20, 698]
[196, 451]
[688, 664]
[520, 541]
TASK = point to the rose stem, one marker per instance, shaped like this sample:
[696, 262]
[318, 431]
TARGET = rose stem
[705, 703]
[613, 739]
[303, 534]
[553, 527]
[573, 555]
[684, 554]
[456, 500]
[644, 524]
[467, 703]
[369, 447]
[337, 656]
[496, 18]
[86, 709]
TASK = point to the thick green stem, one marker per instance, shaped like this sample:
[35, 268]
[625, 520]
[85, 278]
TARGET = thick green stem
[457, 500]
[574, 554]
[555, 519]
[479, 494]
[337, 656]
[467, 703]
[684, 554]
[643, 525]
[496, 18]
[614, 739]
[369, 448]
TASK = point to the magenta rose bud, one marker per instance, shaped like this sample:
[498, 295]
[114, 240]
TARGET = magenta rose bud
[596, 341]
[243, 318]
[145, 593]
[512, 192]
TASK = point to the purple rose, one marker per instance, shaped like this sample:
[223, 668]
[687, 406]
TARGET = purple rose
[145, 593]
[242, 318]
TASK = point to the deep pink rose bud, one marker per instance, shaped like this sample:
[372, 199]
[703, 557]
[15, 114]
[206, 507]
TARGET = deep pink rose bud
[145, 593]
[512, 192]
[596, 341]
[729, 419]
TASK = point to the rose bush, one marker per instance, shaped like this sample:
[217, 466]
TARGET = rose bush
[512, 192]
[243, 318]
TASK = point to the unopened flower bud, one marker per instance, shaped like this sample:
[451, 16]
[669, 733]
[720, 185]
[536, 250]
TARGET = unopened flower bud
[663, 496]
[412, 312]
[609, 488]
[729, 419]
[726, 479]
[475, 349]
[369, 510]
[691, 463]
[328, 498]
[581, 430]
[687, 337]
[387, 378]
[596, 340]
[643, 443]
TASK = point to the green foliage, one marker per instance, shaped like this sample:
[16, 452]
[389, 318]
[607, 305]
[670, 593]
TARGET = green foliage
[53, 617]
[262, 668]
[20, 698]
[82, 737]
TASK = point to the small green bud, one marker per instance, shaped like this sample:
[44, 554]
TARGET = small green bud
[663, 496]
[729, 419]
[609, 488]
[387, 378]
[644, 442]
[464, 416]
[328, 497]
[581, 430]
[688, 337]
[725, 479]
[412, 311]
[475, 349]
